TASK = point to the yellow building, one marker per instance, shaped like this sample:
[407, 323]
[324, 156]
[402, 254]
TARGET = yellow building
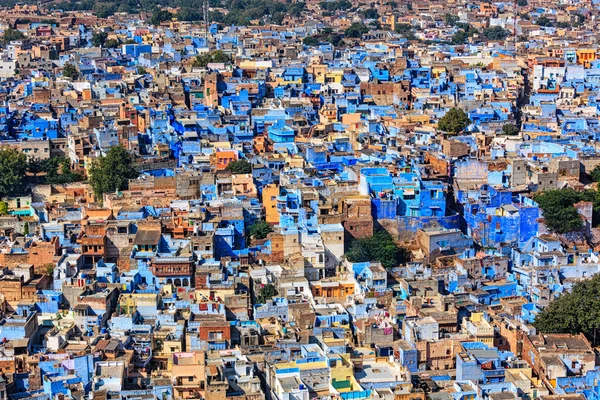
[479, 327]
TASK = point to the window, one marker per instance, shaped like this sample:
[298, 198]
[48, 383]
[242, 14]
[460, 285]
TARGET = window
[215, 335]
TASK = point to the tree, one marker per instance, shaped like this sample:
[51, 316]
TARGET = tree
[239, 167]
[371, 13]
[460, 37]
[375, 25]
[3, 208]
[510, 130]
[13, 166]
[574, 312]
[454, 121]
[450, 19]
[104, 10]
[99, 38]
[521, 3]
[495, 33]
[70, 71]
[111, 44]
[463, 34]
[356, 30]
[65, 175]
[405, 30]
[339, 5]
[216, 16]
[557, 206]
[543, 21]
[26, 229]
[595, 174]
[141, 70]
[189, 14]
[35, 166]
[266, 293]
[57, 170]
[11, 34]
[112, 172]
[379, 247]
[160, 16]
[260, 230]
[310, 41]
[326, 35]
[217, 56]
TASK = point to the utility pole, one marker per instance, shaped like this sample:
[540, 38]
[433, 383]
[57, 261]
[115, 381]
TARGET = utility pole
[515, 15]
[206, 23]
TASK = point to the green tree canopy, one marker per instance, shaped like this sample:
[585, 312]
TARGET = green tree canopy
[463, 34]
[266, 293]
[239, 167]
[104, 9]
[310, 41]
[451, 20]
[379, 247]
[112, 172]
[217, 56]
[160, 16]
[11, 34]
[70, 71]
[58, 171]
[543, 21]
[13, 166]
[332, 6]
[3, 208]
[510, 129]
[574, 312]
[356, 30]
[111, 44]
[405, 30]
[260, 230]
[454, 121]
[326, 35]
[495, 33]
[371, 13]
[595, 174]
[557, 206]
[99, 38]
[460, 37]
[189, 14]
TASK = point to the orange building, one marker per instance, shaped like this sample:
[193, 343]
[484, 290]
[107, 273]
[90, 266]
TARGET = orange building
[224, 157]
[335, 289]
[585, 57]
[269, 199]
